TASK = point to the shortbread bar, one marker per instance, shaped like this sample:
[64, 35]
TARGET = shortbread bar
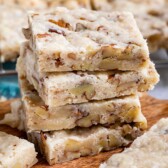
[150, 16]
[155, 30]
[15, 152]
[15, 118]
[80, 39]
[65, 145]
[12, 20]
[57, 89]
[148, 151]
[39, 117]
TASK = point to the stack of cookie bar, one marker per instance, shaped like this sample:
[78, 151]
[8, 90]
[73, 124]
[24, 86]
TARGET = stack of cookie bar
[80, 73]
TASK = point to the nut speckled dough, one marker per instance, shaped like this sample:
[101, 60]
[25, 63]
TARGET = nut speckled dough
[65, 145]
[151, 18]
[67, 40]
[148, 151]
[15, 118]
[11, 31]
[16, 152]
[58, 89]
[39, 117]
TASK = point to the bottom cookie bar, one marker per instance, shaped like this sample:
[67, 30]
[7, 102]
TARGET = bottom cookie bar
[66, 145]
[15, 152]
[148, 151]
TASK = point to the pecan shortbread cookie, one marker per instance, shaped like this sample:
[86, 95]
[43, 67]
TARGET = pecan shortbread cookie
[66, 145]
[12, 19]
[16, 117]
[149, 150]
[16, 152]
[67, 40]
[151, 17]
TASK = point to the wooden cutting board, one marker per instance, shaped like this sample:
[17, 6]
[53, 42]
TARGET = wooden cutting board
[152, 108]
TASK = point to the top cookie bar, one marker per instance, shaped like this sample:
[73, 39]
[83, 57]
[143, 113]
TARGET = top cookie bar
[80, 39]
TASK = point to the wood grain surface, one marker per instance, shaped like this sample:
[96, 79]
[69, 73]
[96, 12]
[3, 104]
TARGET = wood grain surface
[152, 108]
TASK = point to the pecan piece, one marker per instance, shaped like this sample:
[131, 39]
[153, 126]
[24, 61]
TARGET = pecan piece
[60, 23]
[80, 27]
[72, 56]
[42, 35]
[53, 30]
[85, 89]
[58, 62]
